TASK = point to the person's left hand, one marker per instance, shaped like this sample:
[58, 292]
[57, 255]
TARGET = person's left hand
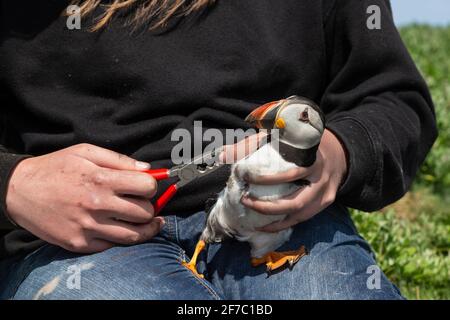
[325, 176]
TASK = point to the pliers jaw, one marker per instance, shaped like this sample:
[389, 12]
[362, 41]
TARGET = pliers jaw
[191, 171]
[198, 167]
[186, 173]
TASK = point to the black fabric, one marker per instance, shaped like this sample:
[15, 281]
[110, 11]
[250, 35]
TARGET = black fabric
[18, 242]
[128, 91]
[8, 162]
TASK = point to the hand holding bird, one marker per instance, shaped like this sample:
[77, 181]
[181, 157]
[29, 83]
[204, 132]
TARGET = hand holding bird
[325, 177]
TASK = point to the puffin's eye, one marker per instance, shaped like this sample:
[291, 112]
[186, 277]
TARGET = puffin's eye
[304, 116]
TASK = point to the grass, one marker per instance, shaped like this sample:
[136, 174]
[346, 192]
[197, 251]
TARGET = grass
[411, 238]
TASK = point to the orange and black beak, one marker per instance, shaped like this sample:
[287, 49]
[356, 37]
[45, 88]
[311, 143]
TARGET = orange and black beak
[266, 116]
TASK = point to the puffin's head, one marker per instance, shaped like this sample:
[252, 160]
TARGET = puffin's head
[300, 121]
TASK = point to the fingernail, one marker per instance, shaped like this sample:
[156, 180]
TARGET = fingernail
[142, 165]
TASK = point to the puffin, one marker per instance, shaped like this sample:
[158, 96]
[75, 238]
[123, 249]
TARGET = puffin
[295, 126]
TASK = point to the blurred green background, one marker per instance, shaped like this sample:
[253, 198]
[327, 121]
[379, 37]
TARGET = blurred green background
[411, 238]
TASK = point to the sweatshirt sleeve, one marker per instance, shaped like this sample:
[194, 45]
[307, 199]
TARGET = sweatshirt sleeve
[8, 161]
[377, 104]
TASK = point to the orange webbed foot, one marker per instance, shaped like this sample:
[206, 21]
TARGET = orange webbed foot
[276, 260]
[192, 264]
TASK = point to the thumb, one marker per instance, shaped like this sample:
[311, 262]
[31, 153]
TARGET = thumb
[235, 152]
[109, 159]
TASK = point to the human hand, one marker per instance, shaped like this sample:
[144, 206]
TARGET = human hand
[84, 198]
[325, 177]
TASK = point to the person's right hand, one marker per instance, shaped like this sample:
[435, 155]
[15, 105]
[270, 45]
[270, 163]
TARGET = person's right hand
[84, 198]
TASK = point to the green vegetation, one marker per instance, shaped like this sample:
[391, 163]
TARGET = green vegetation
[412, 237]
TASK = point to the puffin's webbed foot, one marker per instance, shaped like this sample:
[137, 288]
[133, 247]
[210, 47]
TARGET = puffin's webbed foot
[192, 264]
[276, 260]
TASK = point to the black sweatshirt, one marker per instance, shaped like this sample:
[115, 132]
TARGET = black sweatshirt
[127, 91]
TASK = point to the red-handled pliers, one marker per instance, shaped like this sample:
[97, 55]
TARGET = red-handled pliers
[186, 173]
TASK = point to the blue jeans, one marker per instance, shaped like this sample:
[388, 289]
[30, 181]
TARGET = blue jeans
[339, 265]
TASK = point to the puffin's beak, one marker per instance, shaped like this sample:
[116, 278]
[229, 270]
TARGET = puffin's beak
[265, 116]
